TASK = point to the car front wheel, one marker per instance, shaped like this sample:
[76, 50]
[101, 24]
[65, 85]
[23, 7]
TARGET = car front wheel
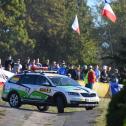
[14, 100]
[60, 104]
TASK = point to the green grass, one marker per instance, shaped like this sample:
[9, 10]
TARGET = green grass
[102, 109]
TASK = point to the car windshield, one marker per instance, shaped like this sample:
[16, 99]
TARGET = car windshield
[63, 81]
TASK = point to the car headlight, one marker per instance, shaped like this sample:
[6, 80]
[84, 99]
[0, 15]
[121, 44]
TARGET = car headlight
[73, 93]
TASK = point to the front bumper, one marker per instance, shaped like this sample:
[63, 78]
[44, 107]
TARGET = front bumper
[83, 103]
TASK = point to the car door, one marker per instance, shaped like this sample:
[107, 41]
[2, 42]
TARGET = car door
[44, 87]
[15, 85]
[28, 83]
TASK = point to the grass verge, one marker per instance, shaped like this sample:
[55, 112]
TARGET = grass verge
[102, 109]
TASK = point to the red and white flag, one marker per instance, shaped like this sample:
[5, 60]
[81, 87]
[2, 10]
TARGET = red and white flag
[108, 12]
[75, 25]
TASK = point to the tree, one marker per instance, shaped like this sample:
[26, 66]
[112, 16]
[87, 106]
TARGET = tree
[49, 23]
[14, 38]
[119, 33]
[113, 33]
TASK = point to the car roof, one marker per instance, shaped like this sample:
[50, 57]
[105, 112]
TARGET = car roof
[48, 74]
[53, 75]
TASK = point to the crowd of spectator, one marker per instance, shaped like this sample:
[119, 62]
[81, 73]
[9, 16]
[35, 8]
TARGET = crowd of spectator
[88, 73]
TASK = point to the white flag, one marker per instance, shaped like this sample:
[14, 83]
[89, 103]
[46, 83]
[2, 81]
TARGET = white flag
[75, 25]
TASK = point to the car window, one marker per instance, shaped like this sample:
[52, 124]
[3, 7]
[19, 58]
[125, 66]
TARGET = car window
[42, 81]
[15, 79]
[29, 79]
[64, 81]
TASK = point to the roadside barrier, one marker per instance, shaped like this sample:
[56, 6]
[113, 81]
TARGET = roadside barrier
[103, 89]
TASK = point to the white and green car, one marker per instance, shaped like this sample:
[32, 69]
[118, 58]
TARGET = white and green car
[47, 89]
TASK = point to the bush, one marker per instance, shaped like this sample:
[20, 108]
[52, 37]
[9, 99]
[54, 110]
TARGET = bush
[116, 115]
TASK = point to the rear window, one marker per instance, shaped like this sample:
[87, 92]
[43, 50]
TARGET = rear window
[15, 79]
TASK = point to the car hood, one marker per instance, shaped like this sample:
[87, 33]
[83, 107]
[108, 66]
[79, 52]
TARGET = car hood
[79, 89]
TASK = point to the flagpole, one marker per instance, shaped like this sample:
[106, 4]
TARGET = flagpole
[110, 39]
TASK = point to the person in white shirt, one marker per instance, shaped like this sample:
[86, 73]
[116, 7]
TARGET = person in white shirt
[17, 67]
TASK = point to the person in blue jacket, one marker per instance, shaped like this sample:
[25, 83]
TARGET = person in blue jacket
[62, 70]
[114, 82]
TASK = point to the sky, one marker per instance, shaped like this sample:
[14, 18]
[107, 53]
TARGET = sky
[95, 2]
[92, 2]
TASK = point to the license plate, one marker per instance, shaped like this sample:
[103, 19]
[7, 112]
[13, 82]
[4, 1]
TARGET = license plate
[90, 100]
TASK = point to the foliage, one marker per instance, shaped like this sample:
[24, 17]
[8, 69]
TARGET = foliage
[117, 109]
[40, 28]
[113, 33]
[14, 38]
[120, 32]
[50, 25]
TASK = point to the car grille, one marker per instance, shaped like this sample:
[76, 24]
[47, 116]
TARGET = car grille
[88, 95]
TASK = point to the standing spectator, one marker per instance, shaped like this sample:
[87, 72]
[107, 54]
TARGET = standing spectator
[72, 72]
[63, 62]
[114, 82]
[62, 70]
[104, 75]
[110, 72]
[115, 77]
[78, 71]
[54, 66]
[17, 67]
[46, 64]
[33, 65]
[97, 73]
[9, 63]
[84, 72]
[26, 65]
[37, 63]
[91, 77]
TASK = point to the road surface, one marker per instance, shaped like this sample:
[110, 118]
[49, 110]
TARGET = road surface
[26, 116]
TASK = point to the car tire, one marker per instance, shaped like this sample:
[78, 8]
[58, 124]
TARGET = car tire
[89, 108]
[14, 100]
[43, 108]
[60, 104]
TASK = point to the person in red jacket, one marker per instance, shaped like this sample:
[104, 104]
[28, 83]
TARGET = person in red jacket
[91, 77]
